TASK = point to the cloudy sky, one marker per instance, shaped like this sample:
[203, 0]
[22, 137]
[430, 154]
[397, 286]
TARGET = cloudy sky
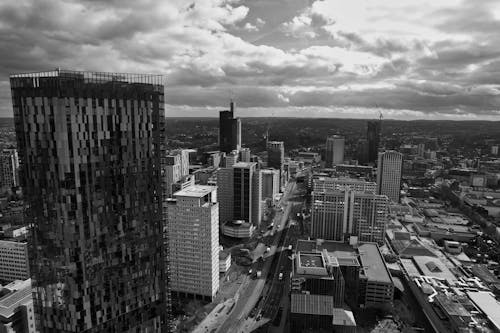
[429, 59]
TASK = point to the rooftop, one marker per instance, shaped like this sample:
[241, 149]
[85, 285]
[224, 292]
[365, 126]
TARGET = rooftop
[434, 267]
[373, 263]
[19, 292]
[311, 304]
[487, 303]
[244, 165]
[195, 191]
[311, 260]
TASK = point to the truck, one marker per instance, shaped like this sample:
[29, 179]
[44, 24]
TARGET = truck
[259, 274]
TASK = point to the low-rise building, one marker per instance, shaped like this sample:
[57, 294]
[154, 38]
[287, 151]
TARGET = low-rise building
[16, 308]
[238, 229]
[14, 264]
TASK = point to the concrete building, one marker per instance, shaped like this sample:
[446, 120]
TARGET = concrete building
[245, 155]
[184, 160]
[231, 159]
[276, 157]
[9, 165]
[229, 130]
[91, 148]
[184, 182]
[193, 233]
[14, 261]
[16, 308]
[376, 285]
[309, 157]
[339, 214]
[390, 164]
[224, 261]
[173, 172]
[334, 152]
[270, 183]
[322, 184]
[238, 229]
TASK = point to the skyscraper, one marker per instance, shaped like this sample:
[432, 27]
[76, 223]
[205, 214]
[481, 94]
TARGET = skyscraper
[270, 182]
[9, 165]
[229, 130]
[368, 216]
[328, 215]
[373, 136]
[390, 165]
[276, 157]
[246, 205]
[193, 229]
[334, 153]
[225, 194]
[90, 146]
[173, 172]
[245, 155]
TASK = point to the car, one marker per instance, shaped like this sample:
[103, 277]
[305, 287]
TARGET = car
[267, 249]
[280, 276]
[250, 271]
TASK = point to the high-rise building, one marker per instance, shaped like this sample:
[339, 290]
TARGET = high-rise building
[184, 160]
[231, 159]
[91, 147]
[347, 208]
[16, 304]
[389, 169]
[193, 230]
[229, 130]
[329, 209]
[368, 216]
[270, 183]
[245, 155]
[334, 151]
[14, 264]
[275, 154]
[374, 128]
[494, 150]
[173, 172]
[246, 205]
[225, 194]
[9, 165]
[362, 151]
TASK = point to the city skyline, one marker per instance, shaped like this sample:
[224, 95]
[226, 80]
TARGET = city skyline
[432, 60]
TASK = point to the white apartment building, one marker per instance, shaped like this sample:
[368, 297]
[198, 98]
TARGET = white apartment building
[193, 233]
[389, 169]
[343, 183]
[14, 264]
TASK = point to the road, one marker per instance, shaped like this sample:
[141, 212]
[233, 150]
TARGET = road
[231, 316]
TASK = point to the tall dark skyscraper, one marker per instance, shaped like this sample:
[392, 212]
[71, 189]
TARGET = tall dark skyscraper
[90, 146]
[374, 128]
[229, 131]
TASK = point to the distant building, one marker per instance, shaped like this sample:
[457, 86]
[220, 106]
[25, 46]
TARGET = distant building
[229, 131]
[245, 155]
[362, 151]
[184, 160]
[14, 264]
[494, 150]
[270, 183]
[9, 166]
[212, 158]
[16, 308]
[376, 284]
[334, 151]
[231, 159]
[173, 172]
[238, 229]
[184, 182]
[342, 183]
[193, 233]
[373, 137]
[309, 157]
[389, 169]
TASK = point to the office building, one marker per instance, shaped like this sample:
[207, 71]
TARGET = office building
[322, 184]
[16, 308]
[14, 263]
[246, 203]
[373, 130]
[90, 148]
[9, 165]
[238, 229]
[368, 216]
[231, 159]
[193, 241]
[340, 212]
[494, 150]
[317, 295]
[334, 151]
[184, 160]
[229, 131]
[184, 182]
[245, 155]
[173, 172]
[328, 212]
[225, 194]
[362, 151]
[376, 288]
[389, 169]
[270, 183]
[275, 154]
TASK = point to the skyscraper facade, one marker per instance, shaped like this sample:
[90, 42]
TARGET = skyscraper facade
[193, 229]
[368, 216]
[334, 152]
[270, 183]
[225, 193]
[246, 207]
[374, 128]
[90, 147]
[229, 131]
[275, 154]
[389, 170]
[329, 209]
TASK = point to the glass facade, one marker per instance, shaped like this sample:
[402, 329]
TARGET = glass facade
[90, 146]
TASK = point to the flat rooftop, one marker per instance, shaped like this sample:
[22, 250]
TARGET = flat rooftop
[244, 165]
[311, 260]
[487, 303]
[337, 249]
[373, 263]
[195, 191]
[434, 267]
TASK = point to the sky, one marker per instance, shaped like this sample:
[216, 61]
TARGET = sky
[426, 59]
